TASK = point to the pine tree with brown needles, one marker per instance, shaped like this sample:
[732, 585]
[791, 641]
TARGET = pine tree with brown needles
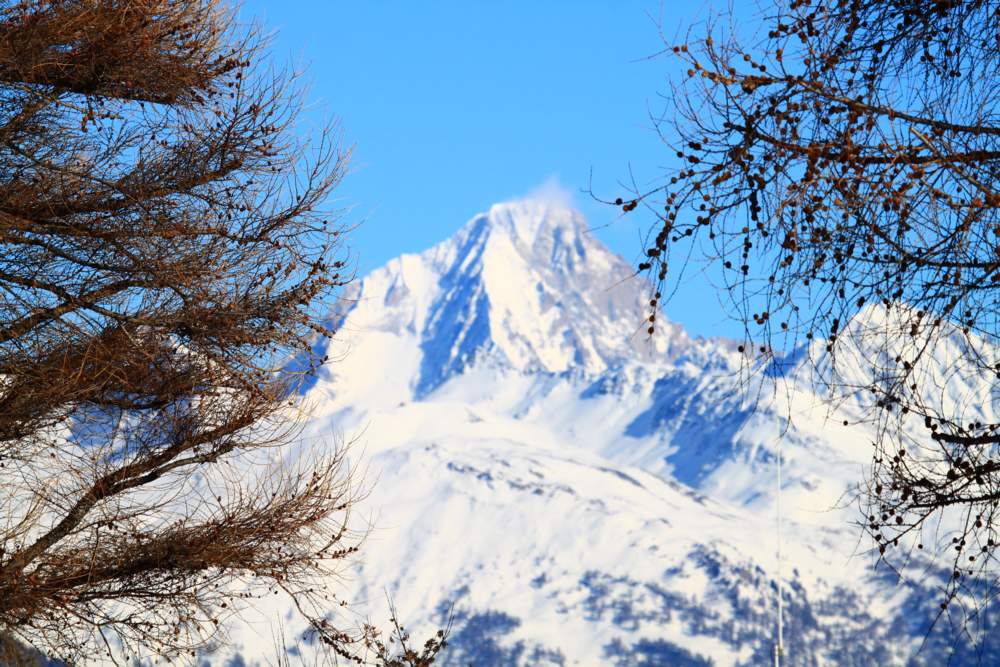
[164, 252]
[847, 160]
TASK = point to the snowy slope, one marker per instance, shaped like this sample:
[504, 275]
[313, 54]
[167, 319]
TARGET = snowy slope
[576, 494]
[527, 313]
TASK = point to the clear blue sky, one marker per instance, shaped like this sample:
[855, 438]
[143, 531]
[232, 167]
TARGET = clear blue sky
[455, 105]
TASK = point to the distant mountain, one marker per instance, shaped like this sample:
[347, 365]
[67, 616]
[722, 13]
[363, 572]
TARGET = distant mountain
[573, 492]
[524, 286]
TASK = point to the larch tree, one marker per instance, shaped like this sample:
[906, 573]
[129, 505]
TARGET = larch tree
[845, 161]
[165, 250]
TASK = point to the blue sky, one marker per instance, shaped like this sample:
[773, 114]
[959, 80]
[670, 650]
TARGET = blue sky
[454, 105]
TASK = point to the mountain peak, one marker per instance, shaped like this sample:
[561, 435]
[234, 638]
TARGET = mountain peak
[529, 219]
[524, 287]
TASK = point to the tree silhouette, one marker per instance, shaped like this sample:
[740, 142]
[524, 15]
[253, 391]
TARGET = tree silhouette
[165, 250]
[848, 162]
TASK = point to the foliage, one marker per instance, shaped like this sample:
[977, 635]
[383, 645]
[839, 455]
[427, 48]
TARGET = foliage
[398, 651]
[164, 250]
[373, 646]
[848, 163]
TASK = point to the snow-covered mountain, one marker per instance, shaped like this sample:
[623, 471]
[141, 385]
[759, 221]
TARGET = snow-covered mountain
[574, 493]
